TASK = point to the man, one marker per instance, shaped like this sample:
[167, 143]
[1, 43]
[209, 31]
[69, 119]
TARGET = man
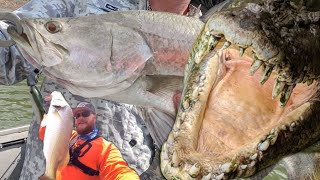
[126, 126]
[91, 156]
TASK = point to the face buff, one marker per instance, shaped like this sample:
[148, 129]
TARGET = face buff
[91, 135]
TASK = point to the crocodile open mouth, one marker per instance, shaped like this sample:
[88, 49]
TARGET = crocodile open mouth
[229, 122]
[237, 114]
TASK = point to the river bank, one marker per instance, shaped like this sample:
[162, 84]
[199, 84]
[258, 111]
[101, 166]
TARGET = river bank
[11, 5]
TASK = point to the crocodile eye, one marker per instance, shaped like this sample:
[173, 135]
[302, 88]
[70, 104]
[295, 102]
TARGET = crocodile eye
[53, 26]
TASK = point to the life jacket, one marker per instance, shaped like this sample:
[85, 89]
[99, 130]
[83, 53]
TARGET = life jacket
[75, 153]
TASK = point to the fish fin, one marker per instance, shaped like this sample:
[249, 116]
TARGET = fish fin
[46, 177]
[151, 91]
[165, 87]
[62, 164]
[159, 125]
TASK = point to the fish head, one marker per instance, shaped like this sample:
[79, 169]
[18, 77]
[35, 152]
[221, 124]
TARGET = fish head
[40, 43]
[58, 109]
[83, 53]
[57, 102]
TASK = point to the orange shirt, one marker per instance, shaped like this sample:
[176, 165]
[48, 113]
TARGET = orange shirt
[102, 156]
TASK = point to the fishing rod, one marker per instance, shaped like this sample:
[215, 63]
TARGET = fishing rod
[35, 92]
[13, 19]
[12, 143]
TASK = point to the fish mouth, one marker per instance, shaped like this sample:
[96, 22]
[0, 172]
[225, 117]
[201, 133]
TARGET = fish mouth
[20, 38]
[25, 46]
[35, 47]
[241, 110]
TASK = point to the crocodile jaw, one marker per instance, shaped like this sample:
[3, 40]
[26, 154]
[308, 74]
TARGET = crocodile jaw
[228, 124]
[205, 128]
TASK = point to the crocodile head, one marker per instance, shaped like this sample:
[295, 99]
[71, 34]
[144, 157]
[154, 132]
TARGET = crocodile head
[251, 92]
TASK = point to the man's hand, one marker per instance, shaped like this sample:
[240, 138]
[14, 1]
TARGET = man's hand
[174, 6]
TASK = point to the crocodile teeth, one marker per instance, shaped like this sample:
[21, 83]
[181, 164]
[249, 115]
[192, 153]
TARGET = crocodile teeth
[213, 41]
[226, 45]
[266, 74]
[264, 146]
[273, 138]
[274, 130]
[283, 127]
[254, 157]
[207, 177]
[176, 127]
[309, 82]
[277, 59]
[277, 88]
[252, 164]
[255, 66]
[194, 170]
[206, 43]
[165, 155]
[175, 159]
[227, 167]
[242, 51]
[286, 95]
[219, 177]
[202, 77]
[195, 93]
[292, 126]
[243, 166]
[186, 104]
[183, 116]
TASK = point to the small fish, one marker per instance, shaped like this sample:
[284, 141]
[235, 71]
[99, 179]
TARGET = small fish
[59, 125]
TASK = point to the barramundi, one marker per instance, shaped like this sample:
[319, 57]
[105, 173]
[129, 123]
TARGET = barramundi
[58, 128]
[117, 56]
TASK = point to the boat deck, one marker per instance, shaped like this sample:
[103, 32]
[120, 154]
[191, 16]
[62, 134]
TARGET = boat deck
[12, 149]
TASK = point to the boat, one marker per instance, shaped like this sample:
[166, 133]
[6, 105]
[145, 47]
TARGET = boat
[12, 151]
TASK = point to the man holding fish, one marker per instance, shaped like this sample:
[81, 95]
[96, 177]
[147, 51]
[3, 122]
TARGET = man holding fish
[90, 156]
[129, 127]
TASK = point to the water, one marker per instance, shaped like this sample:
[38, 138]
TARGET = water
[15, 105]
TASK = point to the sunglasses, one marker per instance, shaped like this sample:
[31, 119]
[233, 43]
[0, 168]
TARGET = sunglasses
[83, 114]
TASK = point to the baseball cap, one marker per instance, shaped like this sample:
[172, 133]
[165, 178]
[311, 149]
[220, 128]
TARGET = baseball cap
[84, 106]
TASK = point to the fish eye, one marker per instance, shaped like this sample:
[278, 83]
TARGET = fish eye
[53, 26]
